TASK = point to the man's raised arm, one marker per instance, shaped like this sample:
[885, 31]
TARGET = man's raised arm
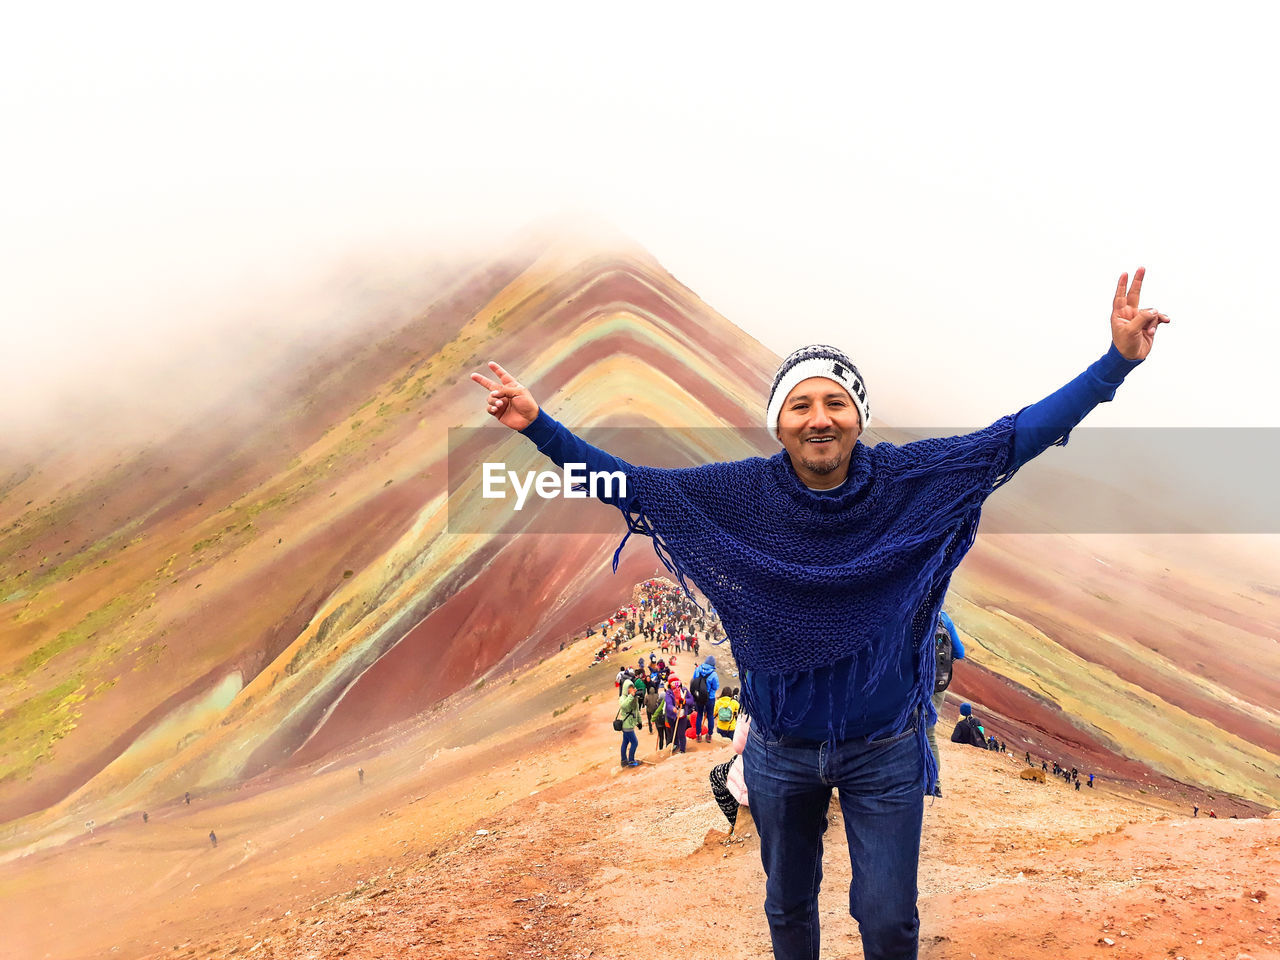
[1133, 331]
[512, 405]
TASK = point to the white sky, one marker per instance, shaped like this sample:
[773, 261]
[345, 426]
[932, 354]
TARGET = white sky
[948, 191]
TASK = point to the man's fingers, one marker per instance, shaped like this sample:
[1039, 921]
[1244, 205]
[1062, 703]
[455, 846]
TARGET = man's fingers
[1136, 289]
[502, 374]
[1118, 302]
[484, 381]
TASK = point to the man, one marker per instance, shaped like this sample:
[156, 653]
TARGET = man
[968, 730]
[629, 714]
[827, 564]
[704, 686]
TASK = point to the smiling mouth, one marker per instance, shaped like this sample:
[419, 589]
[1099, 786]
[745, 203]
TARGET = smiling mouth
[821, 440]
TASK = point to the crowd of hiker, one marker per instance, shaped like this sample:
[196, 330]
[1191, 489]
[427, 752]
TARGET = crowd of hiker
[651, 694]
[659, 614]
[653, 698]
[969, 729]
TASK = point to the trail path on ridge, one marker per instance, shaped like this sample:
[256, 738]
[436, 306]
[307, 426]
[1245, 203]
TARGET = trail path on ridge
[610, 857]
[581, 858]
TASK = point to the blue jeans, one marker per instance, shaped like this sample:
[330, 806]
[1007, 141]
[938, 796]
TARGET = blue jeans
[629, 743]
[702, 717]
[789, 784]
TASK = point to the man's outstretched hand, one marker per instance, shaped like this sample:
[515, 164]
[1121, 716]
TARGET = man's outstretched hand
[510, 403]
[1133, 328]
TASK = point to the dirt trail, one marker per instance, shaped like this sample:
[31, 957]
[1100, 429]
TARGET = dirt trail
[579, 857]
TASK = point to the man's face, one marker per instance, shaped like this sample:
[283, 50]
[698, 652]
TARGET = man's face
[819, 425]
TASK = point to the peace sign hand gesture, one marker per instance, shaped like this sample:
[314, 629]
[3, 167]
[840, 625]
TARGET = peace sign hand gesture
[510, 403]
[1133, 328]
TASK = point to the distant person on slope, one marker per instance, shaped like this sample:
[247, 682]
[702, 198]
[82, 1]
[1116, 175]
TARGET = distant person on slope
[629, 714]
[652, 699]
[967, 729]
[827, 564]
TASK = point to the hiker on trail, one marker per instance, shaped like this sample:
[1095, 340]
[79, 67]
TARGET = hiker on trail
[727, 708]
[145, 818]
[704, 685]
[967, 729]
[187, 798]
[1195, 808]
[629, 714]
[679, 706]
[947, 649]
[673, 704]
[1091, 780]
[360, 774]
[652, 700]
[686, 717]
[1028, 757]
[827, 563]
[213, 838]
[665, 726]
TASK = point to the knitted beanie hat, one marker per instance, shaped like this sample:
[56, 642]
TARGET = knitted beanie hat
[965, 710]
[816, 360]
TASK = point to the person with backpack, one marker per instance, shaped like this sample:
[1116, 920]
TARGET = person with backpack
[629, 715]
[704, 686]
[827, 563]
[652, 700]
[727, 708]
[967, 729]
[947, 649]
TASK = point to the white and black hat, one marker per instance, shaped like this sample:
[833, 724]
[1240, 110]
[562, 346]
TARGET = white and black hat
[816, 360]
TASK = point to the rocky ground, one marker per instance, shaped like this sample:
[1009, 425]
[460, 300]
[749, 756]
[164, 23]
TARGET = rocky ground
[502, 826]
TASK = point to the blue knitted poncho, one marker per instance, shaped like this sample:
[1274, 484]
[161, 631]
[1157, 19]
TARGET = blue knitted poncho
[803, 582]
